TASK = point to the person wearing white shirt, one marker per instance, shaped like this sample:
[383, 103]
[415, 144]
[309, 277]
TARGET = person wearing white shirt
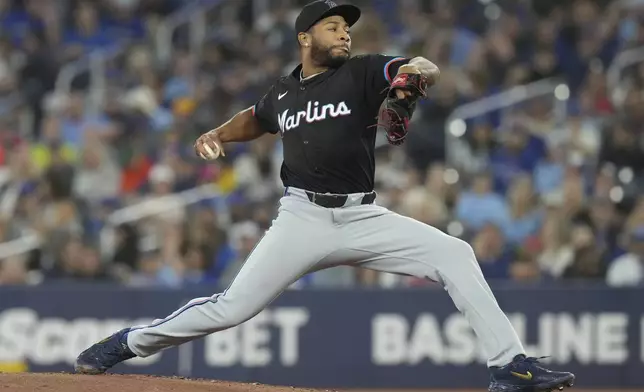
[628, 269]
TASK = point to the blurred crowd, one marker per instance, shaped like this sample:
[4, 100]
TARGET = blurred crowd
[102, 180]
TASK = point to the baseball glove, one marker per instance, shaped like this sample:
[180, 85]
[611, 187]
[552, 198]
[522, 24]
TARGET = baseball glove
[395, 113]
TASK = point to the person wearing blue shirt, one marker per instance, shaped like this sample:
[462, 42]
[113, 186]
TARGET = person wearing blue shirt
[87, 33]
[519, 153]
[480, 205]
[525, 215]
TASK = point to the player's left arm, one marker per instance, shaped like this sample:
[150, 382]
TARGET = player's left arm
[408, 86]
[417, 65]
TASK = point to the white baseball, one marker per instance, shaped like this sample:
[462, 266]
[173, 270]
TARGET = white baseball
[210, 153]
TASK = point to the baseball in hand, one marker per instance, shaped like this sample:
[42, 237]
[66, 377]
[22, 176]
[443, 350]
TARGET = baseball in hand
[210, 153]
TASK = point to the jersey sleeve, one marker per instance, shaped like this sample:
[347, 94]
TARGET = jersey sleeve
[264, 113]
[377, 71]
[382, 69]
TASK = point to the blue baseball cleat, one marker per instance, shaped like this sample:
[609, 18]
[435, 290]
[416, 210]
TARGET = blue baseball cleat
[104, 354]
[524, 374]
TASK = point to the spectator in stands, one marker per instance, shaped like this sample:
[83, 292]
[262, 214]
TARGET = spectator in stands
[579, 137]
[482, 143]
[204, 233]
[549, 172]
[525, 213]
[98, 177]
[122, 21]
[8, 78]
[621, 148]
[602, 218]
[195, 261]
[589, 260]
[13, 271]
[78, 261]
[424, 207]
[584, 158]
[127, 252]
[38, 76]
[56, 163]
[162, 200]
[519, 153]
[87, 32]
[492, 252]
[90, 267]
[146, 273]
[524, 268]
[480, 205]
[628, 269]
[244, 236]
[439, 181]
[556, 251]
[172, 270]
[573, 193]
[69, 124]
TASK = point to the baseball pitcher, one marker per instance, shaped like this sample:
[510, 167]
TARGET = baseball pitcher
[327, 112]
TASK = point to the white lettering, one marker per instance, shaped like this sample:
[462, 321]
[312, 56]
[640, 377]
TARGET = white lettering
[463, 345]
[248, 344]
[16, 326]
[300, 116]
[290, 320]
[256, 337]
[327, 109]
[281, 120]
[310, 117]
[389, 339]
[290, 122]
[318, 115]
[222, 348]
[50, 341]
[341, 110]
[586, 338]
[313, 113]
[426, 341]
[546, 333]
[611, 338]
[575, 338]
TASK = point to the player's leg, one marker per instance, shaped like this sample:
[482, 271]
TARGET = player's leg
[390, 242]
[300, 237]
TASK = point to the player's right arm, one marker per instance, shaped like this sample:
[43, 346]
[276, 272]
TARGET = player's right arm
[247, 125]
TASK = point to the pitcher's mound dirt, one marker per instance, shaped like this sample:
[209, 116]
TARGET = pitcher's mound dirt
[62, 382]
[65, 382]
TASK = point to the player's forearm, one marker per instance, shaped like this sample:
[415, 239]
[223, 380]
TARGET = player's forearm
[242, 127]
[426, 68]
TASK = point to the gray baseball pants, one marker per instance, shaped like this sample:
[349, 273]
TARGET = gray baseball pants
[306, 237]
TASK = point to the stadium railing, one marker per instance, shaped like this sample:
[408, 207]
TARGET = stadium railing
[195, 17]
[31, 240]
[192, 15]
[615, 82]
[456, 124]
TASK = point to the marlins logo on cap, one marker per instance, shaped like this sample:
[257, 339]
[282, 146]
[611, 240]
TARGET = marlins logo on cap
[320, 9]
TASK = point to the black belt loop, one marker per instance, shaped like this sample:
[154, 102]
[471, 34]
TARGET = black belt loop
[336, 201]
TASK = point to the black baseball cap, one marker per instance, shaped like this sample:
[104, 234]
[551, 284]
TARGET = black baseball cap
[320, 9]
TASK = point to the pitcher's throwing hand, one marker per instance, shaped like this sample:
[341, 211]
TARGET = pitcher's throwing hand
[209, 146]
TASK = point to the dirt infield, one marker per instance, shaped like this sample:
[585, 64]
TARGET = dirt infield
[62, 382]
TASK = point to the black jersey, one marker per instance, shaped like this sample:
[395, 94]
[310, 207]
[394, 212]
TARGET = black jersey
[327, 123]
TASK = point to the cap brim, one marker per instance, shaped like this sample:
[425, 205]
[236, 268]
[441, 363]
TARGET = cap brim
[349, 12]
